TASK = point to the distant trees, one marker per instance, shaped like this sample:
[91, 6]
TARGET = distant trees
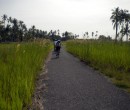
[92, 34]
[121, 18]
[66, 36]
[54, 34]
[86, 35]
[69, 35]
[14, 30]
[104, 38]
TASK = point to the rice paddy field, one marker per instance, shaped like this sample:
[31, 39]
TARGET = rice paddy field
[111, 59]
[20, 64]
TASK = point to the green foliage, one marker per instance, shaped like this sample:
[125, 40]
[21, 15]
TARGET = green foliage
[13, 30]
[110, 58]
[121, 18]
[20, 64]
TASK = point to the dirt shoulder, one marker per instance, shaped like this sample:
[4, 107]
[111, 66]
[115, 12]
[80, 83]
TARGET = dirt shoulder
[40, 87]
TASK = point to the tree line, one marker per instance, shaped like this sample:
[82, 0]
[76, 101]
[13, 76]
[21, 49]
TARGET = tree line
[13, 30]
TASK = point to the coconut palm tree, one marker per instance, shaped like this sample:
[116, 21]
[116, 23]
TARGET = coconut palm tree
[33, 29]
[87, 34]
[7, 31]
[116, 20]
[127, 22]
[127, 31]
[84, 36]
[10, 21]
[123, 21]
[96, 34]
[24, 29]
[122, 15]
[1, 26]
[14, 29]
[20, 24]
[92, 34]
[58, 31]
[4, 17]
[15, 23]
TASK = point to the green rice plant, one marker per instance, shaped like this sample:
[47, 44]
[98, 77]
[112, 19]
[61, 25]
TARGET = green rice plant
[20, 64]
[110, 58]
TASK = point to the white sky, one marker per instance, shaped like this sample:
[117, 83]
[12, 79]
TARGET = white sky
[77, 16]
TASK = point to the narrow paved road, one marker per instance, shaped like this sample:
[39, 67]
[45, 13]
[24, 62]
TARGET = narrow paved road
[72, 85]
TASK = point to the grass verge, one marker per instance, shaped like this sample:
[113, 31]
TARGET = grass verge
[109, 58]
[20, 63]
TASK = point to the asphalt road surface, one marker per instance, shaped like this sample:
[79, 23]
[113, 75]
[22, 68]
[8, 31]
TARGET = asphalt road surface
[72, 85]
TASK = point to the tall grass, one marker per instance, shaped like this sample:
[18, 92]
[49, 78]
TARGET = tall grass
[19, 66]
[111, 59]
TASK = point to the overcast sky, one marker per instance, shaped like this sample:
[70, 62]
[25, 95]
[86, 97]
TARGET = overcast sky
[77, 16]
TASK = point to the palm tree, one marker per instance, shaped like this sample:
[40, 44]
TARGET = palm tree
[37, 32]
[1, 26]
[46, 34]
[15, 22]
[124, 21]
[58, 31]
[87, 34]
[50, 33]
[126, 31]
[15, 29]
[21, 30]
[122, 14]
[33, 29]
[96, 34]
[116, 20]
[84, 36]
[7, 33]
[10, 21]
[24, 29]
[92, 34]
[1, 29]
[127, 22]
[20, 23]
[4, 17]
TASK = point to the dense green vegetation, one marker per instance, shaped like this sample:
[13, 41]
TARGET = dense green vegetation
[110, 58]
[13, 30]
[121, 18]
[20, 64]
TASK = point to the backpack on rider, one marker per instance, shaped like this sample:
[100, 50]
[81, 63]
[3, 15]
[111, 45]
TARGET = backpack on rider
[58, 45]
